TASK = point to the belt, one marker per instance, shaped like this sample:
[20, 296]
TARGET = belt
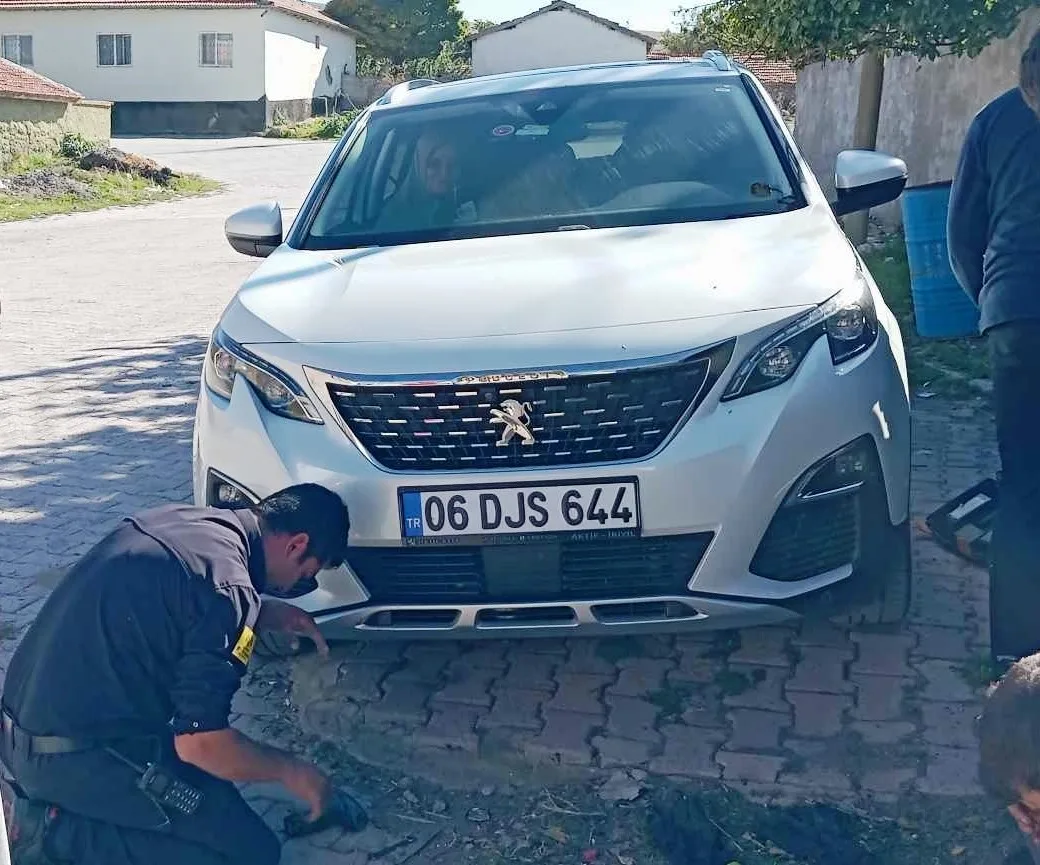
[16, 739]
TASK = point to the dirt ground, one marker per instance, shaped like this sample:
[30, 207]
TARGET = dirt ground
[429, 813]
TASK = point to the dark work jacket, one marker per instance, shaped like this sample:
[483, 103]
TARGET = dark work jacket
[994, 223]
[149, 634]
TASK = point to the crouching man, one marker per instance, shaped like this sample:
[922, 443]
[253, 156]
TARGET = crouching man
[116, 703]
[1009, 746]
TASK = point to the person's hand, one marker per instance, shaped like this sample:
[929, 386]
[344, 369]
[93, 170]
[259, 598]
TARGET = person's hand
[306, 782]
[1026, 822]
[282, 618]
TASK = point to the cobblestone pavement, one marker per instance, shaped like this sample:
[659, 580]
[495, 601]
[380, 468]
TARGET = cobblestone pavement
[810, 710]
[104, 320]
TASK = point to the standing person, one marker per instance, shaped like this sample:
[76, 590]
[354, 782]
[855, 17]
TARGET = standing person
[133, 661]
[994, 240]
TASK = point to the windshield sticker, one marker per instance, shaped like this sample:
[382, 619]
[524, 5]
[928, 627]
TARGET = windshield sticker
[503, 131]
[761, 190]
[723, 89]
[533, 129]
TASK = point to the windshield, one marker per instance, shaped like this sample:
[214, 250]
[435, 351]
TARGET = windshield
[549, 160]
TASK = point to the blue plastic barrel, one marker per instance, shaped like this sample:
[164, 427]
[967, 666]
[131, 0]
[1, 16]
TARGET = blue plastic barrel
[941, 308]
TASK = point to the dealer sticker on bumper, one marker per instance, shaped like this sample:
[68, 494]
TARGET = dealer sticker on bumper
[522, 510]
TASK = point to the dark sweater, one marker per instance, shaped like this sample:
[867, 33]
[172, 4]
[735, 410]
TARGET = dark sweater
[994, 226]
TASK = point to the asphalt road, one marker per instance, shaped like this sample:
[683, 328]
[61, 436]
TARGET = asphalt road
[104, 321]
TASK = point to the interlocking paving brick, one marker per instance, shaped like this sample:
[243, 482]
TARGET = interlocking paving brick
[547, 646]
[756, 730]
[529, 672]
[632, 718]
[468, 686]
[429, 668]
[886, 781]
[821, 670]
[517, 709]
[819, 715]
[951, 724]
[950, 772]
[760, 768]
[360, 680]
[884, 732]
[578, 692]
[818, 779]
[944, 644]
[879, 698]
[882, 654]
[586, 656]
[944, 682]
[564, 739]
[703, 708]
[936, 606]
[688, 753]
[486, 656]
[640, 677]
[694, 666]
[451, 727]
[402, 703]
[819, 633]
[766, 691]
[764, 647]
[612, 751]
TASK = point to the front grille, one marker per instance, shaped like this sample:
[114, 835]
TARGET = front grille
[809, 539]
[614, 568]
[575, 419]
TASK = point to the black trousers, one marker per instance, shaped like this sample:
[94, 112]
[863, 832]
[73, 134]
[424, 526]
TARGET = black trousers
[106, 820]
[1015, 566]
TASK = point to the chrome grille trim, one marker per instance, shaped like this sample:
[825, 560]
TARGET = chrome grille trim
[328, 385]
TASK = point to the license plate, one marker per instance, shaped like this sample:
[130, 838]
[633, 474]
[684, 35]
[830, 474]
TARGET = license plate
[541, 509]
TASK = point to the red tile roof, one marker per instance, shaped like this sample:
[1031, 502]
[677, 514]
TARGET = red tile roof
[296, 8]
[769, 72]
[17, 82]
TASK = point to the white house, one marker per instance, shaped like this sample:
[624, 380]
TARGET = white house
[560, 34]
[185, 66]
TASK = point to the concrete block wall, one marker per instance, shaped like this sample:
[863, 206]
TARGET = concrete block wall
[36, 126]
[926, 108]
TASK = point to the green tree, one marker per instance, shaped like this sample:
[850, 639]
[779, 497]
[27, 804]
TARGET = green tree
[400, 30]
[808, 31]
[701, 28]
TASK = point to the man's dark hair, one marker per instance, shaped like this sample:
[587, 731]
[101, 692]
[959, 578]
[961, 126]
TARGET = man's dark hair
[312, 510]
[1009, 733]
[1029, 74]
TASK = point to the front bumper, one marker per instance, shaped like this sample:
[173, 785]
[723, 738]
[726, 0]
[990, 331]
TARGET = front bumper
[723, 477]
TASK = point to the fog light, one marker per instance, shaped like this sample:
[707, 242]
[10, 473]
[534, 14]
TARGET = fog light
[224, 493]
[840, 473]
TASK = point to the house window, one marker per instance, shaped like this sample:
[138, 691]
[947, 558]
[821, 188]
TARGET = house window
[113, 49]
[17, 49]
[215, 49]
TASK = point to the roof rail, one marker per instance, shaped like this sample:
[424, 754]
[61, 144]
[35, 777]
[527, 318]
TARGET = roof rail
[395, 93]
[719, 60]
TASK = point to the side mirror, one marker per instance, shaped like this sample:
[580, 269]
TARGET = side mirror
[865, 179]
[256, 230]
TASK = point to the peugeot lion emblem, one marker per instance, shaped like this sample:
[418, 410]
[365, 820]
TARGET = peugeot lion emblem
[516, 420]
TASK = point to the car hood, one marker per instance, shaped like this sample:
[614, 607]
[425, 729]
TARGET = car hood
[693, 279]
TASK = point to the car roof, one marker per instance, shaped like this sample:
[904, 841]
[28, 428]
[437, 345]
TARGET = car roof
[427, 92]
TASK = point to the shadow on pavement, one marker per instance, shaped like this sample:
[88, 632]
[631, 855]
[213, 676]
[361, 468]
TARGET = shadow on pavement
[90, 442]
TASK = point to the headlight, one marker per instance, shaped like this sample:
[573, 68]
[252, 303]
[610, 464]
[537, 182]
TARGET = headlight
[849, 322]
[277, 391]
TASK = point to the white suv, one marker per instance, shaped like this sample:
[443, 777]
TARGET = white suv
[584, 351]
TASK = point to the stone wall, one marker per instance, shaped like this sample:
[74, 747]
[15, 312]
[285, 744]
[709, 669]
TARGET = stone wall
[29, 125]
[926, 108]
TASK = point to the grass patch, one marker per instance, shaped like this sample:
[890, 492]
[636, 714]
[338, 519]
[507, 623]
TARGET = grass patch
[318, 128]
[953, 367]
[100, 188]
